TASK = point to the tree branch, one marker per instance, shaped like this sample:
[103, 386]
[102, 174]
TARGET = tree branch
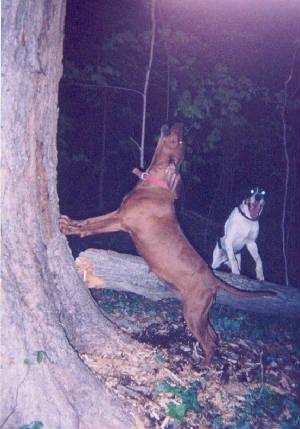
[97, 86]
[153, 29]
[287, 163]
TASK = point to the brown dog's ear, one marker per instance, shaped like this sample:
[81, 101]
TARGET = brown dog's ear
[177, 129]
[164, 132]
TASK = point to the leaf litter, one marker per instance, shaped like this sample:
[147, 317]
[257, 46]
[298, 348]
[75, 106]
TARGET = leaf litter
[253, 381]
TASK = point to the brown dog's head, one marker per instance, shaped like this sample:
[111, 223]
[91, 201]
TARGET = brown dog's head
[168, 156]
[170, 147]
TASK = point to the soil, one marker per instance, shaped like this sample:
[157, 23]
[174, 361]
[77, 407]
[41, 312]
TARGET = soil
[253, 381]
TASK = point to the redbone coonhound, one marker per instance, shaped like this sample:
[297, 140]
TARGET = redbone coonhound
[147, 213]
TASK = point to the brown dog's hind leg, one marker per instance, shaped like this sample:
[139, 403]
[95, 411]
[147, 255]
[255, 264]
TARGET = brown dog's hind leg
[196, 310]
[94, 225]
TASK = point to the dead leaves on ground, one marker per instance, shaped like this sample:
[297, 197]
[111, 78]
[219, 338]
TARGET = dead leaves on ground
[252, 383]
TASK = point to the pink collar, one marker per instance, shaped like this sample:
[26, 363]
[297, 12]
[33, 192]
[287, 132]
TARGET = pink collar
[150, 178]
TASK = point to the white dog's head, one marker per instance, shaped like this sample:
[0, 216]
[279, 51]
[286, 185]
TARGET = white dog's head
[254, 203]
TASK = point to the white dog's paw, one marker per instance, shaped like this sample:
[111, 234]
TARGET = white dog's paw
[235, 270]
[260, 274]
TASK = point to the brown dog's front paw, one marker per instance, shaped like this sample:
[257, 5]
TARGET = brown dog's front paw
[68, 226]
[64, 224]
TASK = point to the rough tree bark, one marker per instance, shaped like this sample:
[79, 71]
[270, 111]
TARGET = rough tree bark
[111, 270]
[48, 317]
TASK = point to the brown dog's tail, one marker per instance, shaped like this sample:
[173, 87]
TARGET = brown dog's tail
[238, 292]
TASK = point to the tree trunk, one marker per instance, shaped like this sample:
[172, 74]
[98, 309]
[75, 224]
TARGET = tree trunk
[48, 317]
[112, 270]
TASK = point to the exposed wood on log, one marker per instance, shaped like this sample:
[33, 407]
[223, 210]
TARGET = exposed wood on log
[123, 272]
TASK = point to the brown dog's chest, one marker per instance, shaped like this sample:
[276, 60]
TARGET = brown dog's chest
[143, 207]
[149, 218]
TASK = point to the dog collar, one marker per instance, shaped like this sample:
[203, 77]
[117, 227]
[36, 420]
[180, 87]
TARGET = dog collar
[146, 176]
[247, 217]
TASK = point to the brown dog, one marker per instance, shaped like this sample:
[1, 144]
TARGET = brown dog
[147, 213]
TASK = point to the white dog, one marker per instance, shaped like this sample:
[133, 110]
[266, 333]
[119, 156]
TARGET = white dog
[241, 229]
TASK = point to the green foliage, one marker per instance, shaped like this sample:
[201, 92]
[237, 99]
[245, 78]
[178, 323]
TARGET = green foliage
[227, 324]
[97, 74]
[215, 104]
[128, 303]
[187, 396]
[262, 407]
[212, 103]
[177, 411]
[38, 356]
[33, 425]
[266, 404]
[126, 53]
[160, 358]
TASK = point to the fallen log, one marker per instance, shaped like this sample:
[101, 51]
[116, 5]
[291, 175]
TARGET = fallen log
[111, 270]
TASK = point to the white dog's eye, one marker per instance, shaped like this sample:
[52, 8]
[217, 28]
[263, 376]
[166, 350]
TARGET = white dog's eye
[252, 191]
[263, 192]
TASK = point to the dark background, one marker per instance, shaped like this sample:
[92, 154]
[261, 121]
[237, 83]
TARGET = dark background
[228, 63]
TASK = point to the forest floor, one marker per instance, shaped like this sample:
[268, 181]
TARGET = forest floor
[253, 382]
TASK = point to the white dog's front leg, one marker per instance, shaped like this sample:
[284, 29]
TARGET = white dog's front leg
[232, 259]
[253, 250]
[219, 256]
[238, 257]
